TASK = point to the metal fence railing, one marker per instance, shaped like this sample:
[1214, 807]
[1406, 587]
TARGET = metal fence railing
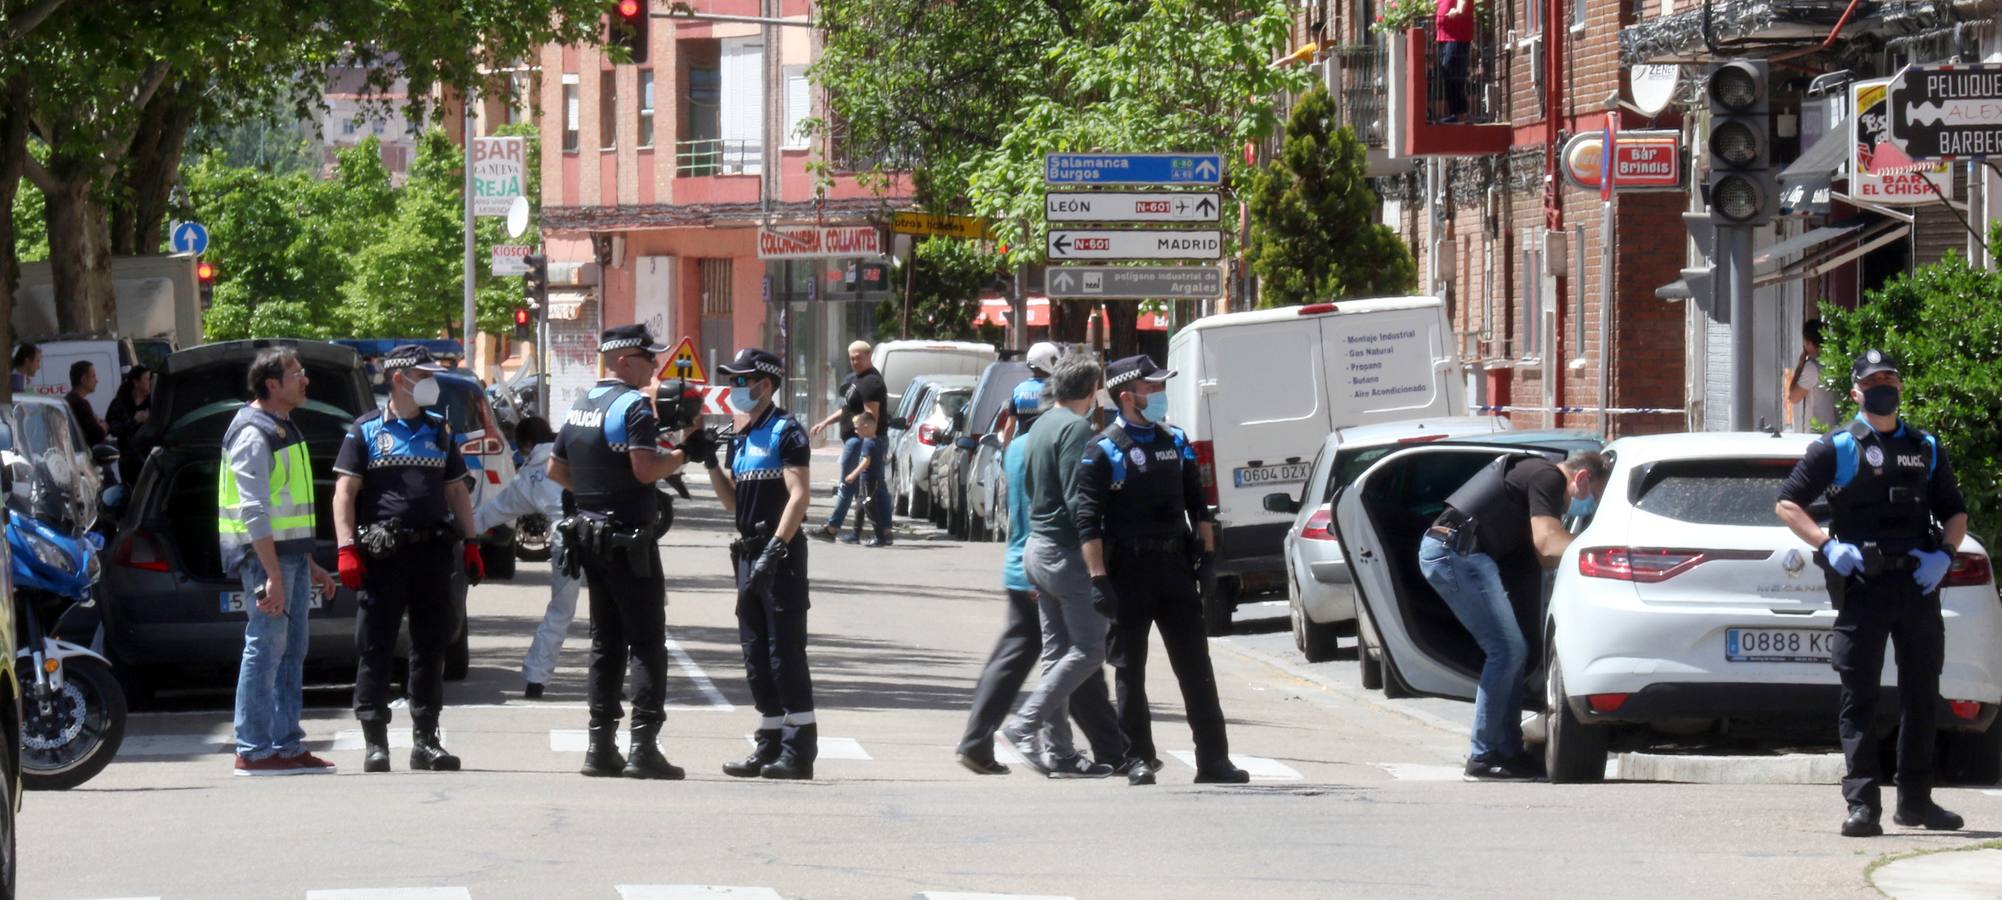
[715, 156]
[1361, 89]
[1483, 79]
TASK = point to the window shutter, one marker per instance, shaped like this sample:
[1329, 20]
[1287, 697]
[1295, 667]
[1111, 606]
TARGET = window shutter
[799, 104]
[743, 104]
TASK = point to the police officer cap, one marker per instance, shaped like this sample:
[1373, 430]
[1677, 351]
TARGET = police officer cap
[410, 356]
[1872, 362]
[627, 337]
[1141, 367]
[753, 361]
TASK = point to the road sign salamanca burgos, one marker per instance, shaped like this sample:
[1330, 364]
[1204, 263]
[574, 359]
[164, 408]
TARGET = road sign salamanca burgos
[1947, 112]
[500, 166]
[1133, 168]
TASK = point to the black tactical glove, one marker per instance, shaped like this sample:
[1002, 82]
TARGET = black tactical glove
[1103, 598]
[1204, 568]
[766, 566]
[700, 445]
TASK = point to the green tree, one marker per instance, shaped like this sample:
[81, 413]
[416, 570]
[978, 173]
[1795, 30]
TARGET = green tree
[1943, 323]
[280, 267]
[945, 294]
[1314, 229]
[410, 281]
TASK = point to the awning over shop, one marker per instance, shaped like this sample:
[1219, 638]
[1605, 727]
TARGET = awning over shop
[1819, 250]
[1769, 258]
[1805, 185]
[566, 305]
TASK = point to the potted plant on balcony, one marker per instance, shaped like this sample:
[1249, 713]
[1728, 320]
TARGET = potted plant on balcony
[1399, 16]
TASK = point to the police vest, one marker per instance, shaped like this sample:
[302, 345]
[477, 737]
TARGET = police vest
[1500, 519]
[1882, 486]
[757, 464]
[1145, 498]
[1027, 399]
[595, 444]
[288, 507]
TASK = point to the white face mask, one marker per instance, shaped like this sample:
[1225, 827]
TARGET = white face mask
[425, 392]
[744, 399]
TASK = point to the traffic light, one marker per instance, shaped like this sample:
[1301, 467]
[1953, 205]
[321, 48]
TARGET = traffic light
[535, 282]
[524, 325]
[627, 27]
[1741, 189]
[205, 273]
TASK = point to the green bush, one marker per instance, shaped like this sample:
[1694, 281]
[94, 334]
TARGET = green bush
[1943, 323]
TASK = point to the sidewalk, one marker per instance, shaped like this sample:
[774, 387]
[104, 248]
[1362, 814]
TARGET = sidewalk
[1951, 875]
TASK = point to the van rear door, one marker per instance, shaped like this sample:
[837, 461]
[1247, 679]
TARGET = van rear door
[1263, 379]
[1391, 364]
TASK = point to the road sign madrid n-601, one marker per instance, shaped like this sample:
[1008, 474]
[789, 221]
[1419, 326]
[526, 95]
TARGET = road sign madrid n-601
[1205, 244]
[1947, 112]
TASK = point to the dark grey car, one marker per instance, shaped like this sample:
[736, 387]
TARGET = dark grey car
[168, 601]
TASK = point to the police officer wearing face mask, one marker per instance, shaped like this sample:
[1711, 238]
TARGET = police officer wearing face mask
[608, 456]
[397, 474]
[767, 487]
[1898, 519]
[1148, 543]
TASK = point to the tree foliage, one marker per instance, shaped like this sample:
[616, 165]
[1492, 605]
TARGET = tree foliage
[945, 294]
[1314, 229]
[1943, 323]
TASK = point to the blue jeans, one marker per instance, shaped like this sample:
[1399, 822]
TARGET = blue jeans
[1472, 587]
[271, 684]
[879, 496]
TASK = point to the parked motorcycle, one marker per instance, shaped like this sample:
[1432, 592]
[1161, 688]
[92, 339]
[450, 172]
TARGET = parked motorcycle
[72, 707]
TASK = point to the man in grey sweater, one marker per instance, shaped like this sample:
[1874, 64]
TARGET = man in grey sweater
[1073, 633]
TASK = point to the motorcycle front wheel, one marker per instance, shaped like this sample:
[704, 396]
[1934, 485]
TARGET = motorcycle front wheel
[78, 735]
[531, 538]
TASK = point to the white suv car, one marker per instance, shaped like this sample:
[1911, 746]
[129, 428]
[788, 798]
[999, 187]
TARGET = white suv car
[1682, 604]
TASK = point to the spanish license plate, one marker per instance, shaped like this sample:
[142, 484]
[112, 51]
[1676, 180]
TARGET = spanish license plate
[1253, 476]
[1808, 645]
[232, 601]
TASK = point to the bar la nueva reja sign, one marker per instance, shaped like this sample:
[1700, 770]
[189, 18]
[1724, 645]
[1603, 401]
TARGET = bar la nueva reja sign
[819, 241]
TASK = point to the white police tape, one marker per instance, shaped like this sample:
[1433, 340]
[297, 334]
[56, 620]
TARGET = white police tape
[1571, 410]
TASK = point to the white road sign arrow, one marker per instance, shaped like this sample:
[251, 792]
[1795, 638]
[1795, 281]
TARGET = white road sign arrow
[1093, 206]
[1158, 244]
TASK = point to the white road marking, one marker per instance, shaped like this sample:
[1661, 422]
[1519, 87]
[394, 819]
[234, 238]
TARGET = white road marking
[1261, 768]
[830, 747]
[578, 740]
[960, 895]
[419, 893]
[701, 678]
[399, 739]
[694, 891]
[177, 744]
[1418, 772]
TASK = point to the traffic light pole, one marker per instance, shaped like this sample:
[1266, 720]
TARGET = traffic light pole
[1734, 276]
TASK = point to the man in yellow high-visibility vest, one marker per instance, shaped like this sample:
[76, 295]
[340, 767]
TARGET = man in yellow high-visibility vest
[264, 523]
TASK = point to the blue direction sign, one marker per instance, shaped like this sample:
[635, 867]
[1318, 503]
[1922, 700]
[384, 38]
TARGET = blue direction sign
[1133, 168]
[188, 237]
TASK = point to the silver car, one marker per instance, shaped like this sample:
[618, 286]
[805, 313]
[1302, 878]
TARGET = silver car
[1318, 591]
[930, 429]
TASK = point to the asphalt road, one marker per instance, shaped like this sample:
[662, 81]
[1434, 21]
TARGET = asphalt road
[1352, 798]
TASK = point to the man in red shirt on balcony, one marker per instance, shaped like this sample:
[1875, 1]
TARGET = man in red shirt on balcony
[1453, 28]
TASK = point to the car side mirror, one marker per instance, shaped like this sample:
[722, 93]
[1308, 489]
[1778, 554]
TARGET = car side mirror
[900, 423]
[966, 442]
[1281, 503]
[104, 454]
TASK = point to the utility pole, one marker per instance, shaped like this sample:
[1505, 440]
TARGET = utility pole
[469, 312]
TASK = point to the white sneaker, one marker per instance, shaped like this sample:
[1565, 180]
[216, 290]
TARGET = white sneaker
[1076, 766]
[1025, 744]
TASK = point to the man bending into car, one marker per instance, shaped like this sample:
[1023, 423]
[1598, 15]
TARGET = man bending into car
[1462, 555]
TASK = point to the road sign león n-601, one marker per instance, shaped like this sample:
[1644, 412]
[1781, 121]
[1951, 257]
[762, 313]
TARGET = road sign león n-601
[1133, 282]
[1158, 244]
[1087, 206]
[1947, 112]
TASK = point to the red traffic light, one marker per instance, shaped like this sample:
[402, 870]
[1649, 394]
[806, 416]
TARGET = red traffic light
[521, 317]
[204, 272]
[629, 8]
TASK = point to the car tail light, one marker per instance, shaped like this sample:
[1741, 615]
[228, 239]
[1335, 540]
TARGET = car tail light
[1652, 565]
[1964, 709]
[485, 446]
[1316, 528]
[1315, 309]
[928, 435]
[1606, 703]
[141, 550]
[1969, 570]
[1206, 466]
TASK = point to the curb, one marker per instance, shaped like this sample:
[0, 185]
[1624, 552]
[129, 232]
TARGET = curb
[1938, 876]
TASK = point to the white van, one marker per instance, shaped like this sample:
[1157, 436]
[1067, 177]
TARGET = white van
[1258, 392]
[110, 356]
[901, 361]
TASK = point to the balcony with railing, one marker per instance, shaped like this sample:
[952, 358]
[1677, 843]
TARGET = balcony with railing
[1423, 102]
[1360, 86]
[717, 156]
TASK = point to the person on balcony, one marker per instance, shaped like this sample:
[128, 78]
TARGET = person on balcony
[1453, 28]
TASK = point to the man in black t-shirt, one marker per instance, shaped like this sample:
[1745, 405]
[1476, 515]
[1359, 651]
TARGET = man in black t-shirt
[863, 391]
[1482, 527]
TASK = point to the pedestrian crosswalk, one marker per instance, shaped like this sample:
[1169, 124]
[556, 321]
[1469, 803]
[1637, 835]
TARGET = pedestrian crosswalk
[627, 892]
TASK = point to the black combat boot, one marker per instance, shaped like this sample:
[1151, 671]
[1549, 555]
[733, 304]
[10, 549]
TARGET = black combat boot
[375, 750]
[765, 752]
[1921, 812]
[602, 759]
[796, 762]
[646, 761]
[426, 754]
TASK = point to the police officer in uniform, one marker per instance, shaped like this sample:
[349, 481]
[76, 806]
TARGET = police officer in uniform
[608, 456]
[1898, 519]
[1137, 497]
[397, 474]
[767, 487]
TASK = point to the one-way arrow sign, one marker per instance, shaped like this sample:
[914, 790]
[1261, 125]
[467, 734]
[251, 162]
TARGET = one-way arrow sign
[1088, 206]
[1134, 282]
[1087, 245]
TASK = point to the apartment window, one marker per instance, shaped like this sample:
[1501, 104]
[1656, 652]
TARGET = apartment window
[1530, 327]
[799, 104]
[716, 299]
[571, 114]
[1578, 14]
[1532, 19]
[350, 126]
[608, 110]
[646, 108]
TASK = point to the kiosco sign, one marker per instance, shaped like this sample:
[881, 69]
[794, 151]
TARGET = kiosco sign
[1642, 160]
[819, 242]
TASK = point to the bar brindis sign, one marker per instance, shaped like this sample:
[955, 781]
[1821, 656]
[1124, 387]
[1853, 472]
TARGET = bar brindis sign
[1642, 160]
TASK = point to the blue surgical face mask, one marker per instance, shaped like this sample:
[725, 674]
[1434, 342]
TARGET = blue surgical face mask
[1157, 406]
[1583, 507]
[743, 399]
